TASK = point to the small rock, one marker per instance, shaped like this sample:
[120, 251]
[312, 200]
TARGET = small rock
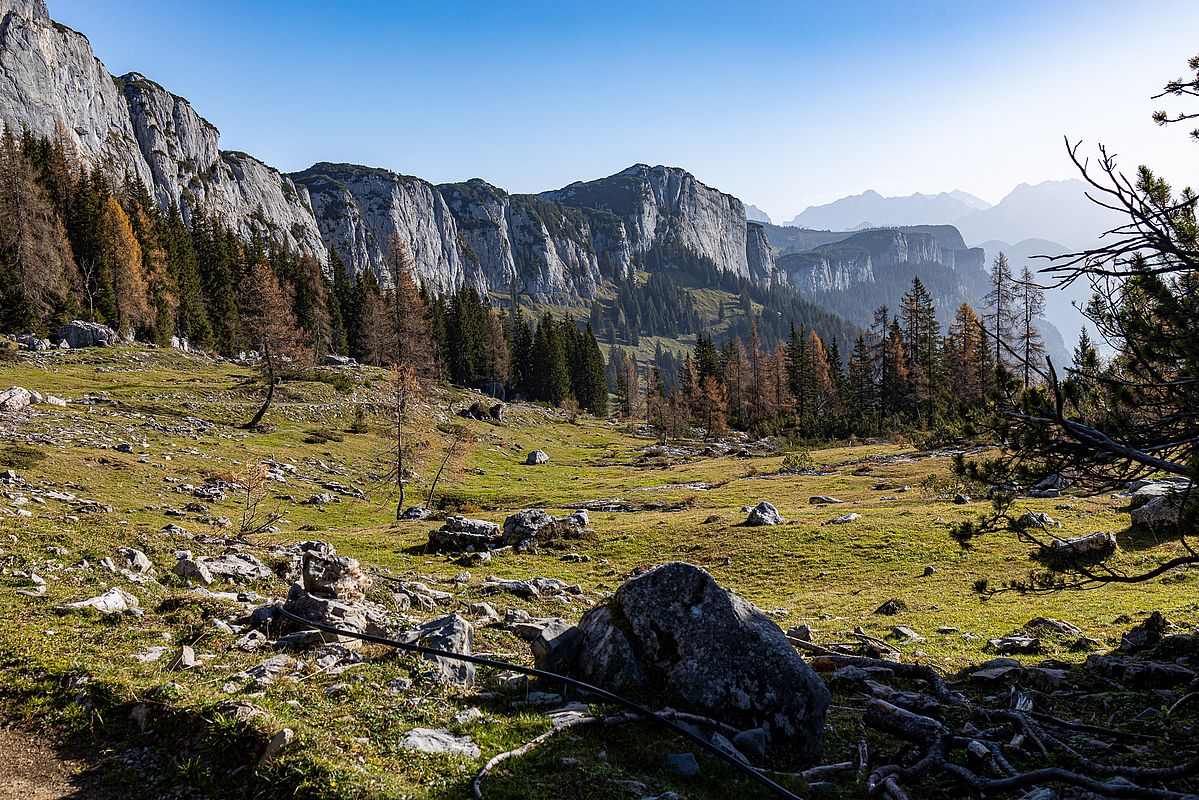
[891, 607]
[537, 458]
[439, 740]
[184, 659]
[683, 764]
[763, 513]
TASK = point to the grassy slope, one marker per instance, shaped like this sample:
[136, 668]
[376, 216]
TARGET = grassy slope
[832, 576]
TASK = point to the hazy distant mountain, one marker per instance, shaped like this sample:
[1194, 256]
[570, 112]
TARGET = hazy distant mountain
[871, 209]
[755, 214]
[1057, 211]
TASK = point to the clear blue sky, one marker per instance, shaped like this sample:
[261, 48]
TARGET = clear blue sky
[783, 104]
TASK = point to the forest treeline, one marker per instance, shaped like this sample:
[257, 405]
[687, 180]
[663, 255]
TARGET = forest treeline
[903, 373]
[73, 245]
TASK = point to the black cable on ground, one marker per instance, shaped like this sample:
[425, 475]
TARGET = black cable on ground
[481, 661]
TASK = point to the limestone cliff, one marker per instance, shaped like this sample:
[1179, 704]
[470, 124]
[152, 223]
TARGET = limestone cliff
[52, 83]
[556, 247]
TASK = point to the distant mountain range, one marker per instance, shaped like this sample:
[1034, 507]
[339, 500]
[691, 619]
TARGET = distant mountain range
[1057, 211]
[871, 210]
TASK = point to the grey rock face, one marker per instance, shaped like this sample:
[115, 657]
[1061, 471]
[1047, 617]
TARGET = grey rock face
[51, 81]
[673, 628]
[556, 246]
[79, 333]
[855, 259]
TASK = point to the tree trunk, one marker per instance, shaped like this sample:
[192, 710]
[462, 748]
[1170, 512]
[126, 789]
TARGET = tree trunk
[270, 390]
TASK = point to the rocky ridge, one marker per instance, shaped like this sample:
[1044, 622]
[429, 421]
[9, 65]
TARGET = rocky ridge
[557, 247]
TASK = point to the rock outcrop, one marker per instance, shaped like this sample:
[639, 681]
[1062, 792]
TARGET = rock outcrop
[855, 259]
[556, 247]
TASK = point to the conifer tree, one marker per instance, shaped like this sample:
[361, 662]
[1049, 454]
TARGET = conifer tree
[1031, 308]
[271, 329]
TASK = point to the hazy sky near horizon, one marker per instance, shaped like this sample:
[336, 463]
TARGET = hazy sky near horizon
[783, 104]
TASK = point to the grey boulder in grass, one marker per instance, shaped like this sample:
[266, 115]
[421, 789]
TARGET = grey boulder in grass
[674, 632]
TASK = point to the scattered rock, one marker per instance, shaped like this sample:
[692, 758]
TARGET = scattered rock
[683, 764]
[822, 499]
[844, 518]
[1036, 519]
[961, 499]
[439, 740]
[275, 746]
[537, 458]
[1148, 634]
[461, 533]
[534, 527]
[891, 607]
[763, 513]
[452, 633]
[1047, 625]
[135, 559]
[15, 399]
[1090, 546]
[1015, 643]
[114, 601]
[185, 658]
[929, 571]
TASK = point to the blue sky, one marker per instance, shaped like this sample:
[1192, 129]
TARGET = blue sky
[782, 104]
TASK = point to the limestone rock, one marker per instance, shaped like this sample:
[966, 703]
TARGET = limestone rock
[674, 630]
[114, 601]
[439, 740]
[15, 399]
[452, 633]
[79, 333]
[537, 457]
[763, 514]
[461, 533]
[337, 577]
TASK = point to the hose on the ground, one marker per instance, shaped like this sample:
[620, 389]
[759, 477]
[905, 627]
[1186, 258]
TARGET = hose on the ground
[482, 661]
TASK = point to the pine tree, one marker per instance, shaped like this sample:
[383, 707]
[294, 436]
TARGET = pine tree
[1001, 318]
[861, 389]
[921, 339]
[1030, 308]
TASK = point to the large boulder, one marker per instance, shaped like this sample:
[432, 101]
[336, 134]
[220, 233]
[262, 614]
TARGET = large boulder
[674, 632]
[461, 533]
[336, 577]
[533, 526]
[1158, 504]
[15, 399]
[79, 333]
[537, 458]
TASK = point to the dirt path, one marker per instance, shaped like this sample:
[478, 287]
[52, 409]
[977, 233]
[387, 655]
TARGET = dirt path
[31, 769]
